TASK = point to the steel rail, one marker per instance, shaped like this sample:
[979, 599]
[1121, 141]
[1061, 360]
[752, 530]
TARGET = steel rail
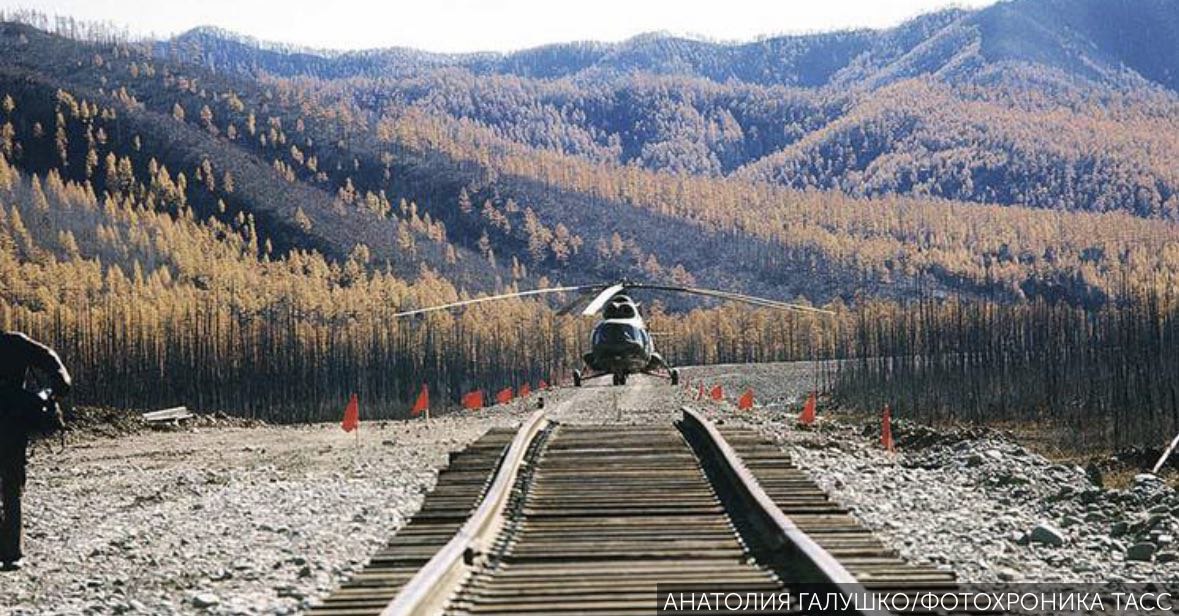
[437, 581]
[819, 565]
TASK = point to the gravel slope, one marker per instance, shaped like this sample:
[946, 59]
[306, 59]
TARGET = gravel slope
[248, 520]
[258, 520]
[266, 520]
[970, 500]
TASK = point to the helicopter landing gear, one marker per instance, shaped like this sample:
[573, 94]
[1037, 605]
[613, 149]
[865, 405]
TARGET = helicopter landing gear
[620, 378]
[675, 376]
[577, 378]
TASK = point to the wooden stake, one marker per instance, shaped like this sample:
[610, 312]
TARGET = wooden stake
[1166, 454]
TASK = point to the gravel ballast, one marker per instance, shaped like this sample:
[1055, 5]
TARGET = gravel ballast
[232, 520]
[969, 499]
[225, 521]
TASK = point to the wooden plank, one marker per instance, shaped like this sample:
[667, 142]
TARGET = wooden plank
[169, 414]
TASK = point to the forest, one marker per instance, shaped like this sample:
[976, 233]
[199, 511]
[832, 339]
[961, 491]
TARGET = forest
[229, 224]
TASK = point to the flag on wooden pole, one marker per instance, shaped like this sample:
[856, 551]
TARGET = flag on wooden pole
[717, 393]
[746, 401]
[807, 417]
[473, 401]
[351, 415]
[422, 403]
[700, 394]
[886, 430]
[504, 396]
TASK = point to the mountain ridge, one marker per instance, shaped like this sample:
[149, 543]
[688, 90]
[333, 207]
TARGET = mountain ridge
[1066, 34]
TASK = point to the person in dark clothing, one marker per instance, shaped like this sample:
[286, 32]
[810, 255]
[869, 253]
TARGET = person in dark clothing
[22, 413]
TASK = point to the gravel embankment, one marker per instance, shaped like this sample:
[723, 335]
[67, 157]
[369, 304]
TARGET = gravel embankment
[971, 500]
[261, 520]
[231, 520]
[222, 520]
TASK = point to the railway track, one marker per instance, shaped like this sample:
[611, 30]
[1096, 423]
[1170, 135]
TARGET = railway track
[569, 519]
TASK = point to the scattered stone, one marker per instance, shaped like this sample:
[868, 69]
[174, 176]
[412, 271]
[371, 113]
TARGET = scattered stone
[205, 599]
[1047, 534]
[1142, 551]
[182, 522]
[1008, 575]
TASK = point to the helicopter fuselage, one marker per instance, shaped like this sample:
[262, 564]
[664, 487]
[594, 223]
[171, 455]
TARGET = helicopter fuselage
[621, 346]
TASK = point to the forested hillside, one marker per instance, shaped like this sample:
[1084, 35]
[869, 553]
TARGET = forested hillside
[244, 218]
[1062, 104]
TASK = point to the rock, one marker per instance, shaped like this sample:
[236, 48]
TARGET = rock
[1142, 551]
[1119, 528]
[290, 592]
[1151, 522]
[1046, 534]
[1146, 481]
[1012, 479]
[1166, 557]
[1068, 521]
[1008, 575]
[205, 600]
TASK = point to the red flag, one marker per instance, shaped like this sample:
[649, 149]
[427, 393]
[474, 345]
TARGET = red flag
[807, 417]
[542, 385]
[422, 403]
[886, 430]
[746, 401]
[351, 415]
[504, 396]
[473, 400]
[525, 390]
[717, 393]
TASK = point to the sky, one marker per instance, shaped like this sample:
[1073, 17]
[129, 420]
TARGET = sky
[486, 25]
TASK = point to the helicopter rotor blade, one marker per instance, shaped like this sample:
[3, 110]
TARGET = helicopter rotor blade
[737, 297]
[578, 303]
[492, 298]
[599, 302]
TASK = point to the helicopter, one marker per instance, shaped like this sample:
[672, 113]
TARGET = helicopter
[620, 344]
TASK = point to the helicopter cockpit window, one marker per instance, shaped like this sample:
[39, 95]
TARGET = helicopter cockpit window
[608, 333]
